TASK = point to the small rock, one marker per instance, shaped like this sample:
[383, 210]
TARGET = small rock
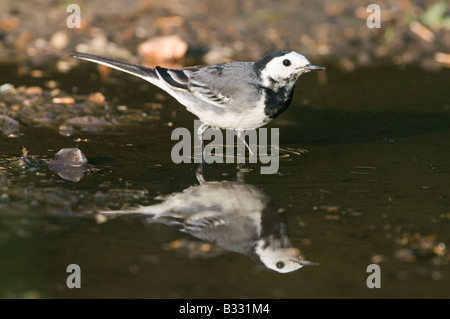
[169, 22]
[51, 84]
[66, 130]
[33, 90]
[218, 55]
[36, 73]
[405, 255]
[164, 48]
[64, 66]
[8, 125]
[421, 31]
[376, 259]
[71, 157]
[97, 97]
[7, 88]
[9, 24]
[330, 208]
[63, 100]
[86, 123]
[443, 58]
[69, 163]
[59, 40]
[100, 219]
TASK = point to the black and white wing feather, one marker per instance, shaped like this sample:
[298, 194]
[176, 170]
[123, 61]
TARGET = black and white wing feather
[176, 78]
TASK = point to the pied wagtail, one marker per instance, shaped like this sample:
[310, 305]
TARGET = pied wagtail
[234, 95]
[249, 224]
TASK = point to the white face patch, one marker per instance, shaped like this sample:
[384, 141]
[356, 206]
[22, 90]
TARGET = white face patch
[284, 67]
[282, 260]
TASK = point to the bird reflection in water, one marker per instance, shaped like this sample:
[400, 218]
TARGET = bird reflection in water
[232, 215]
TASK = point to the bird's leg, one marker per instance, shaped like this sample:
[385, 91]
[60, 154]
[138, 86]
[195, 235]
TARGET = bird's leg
[241, 170]
[199, 174]
[240, 177]
[199, 171]
[241, 136]
[200, 131]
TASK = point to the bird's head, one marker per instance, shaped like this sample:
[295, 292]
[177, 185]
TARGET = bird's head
[283, 68]
[281, 259]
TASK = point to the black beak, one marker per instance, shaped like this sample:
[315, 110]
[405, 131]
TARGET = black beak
[308, 263]
[313, 67]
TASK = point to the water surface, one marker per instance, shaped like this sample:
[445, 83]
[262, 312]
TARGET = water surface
[372, 187]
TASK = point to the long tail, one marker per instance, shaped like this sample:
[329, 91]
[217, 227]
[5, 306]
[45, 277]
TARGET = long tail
[158, 213]
[153, 211]
[143, 72]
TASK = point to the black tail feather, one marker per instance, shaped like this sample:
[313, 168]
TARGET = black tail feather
[131, 68]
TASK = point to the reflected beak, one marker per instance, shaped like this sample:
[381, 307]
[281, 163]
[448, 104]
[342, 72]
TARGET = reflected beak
[308, 263]
[313, 67]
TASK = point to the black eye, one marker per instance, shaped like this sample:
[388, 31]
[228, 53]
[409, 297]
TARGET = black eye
[286, 62]
[280, 264]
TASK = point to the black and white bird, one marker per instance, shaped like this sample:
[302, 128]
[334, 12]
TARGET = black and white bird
[235, 95]
[249, 224]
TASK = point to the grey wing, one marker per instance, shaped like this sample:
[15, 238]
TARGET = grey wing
[201, 82]
[186, 80]
[210, 92]
[194, 225]
[224, 84]
[181, 80]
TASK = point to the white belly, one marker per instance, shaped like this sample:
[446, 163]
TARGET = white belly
[226, 116]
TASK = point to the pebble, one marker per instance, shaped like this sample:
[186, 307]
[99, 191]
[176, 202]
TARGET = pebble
[69, 163]
[100, 219]
[59, 40]
[97, 97]
[33, 90]
[8, 125]
[71, 157]
[64, 100]
[7, 88]
[164, 48]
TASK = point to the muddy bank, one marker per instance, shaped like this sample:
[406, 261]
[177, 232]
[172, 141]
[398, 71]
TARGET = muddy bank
[211, 31]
